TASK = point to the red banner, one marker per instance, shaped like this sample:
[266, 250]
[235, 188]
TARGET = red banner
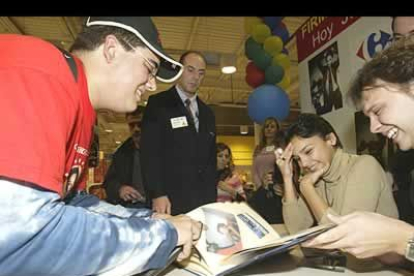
[319, 30]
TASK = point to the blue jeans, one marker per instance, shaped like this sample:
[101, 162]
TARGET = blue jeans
[40, 235]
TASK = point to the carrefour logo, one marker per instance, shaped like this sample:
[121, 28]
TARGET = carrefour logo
[374, 43]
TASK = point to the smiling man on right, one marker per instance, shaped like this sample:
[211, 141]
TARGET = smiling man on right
[384, 90]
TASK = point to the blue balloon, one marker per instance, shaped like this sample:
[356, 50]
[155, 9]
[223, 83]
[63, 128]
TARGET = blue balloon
[282, 32]
[268, 101]
[272, 21]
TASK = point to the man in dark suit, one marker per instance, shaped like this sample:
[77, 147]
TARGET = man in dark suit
[178, 144]
[123, 181]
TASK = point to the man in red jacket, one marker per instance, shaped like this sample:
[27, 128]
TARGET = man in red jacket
[50, 95]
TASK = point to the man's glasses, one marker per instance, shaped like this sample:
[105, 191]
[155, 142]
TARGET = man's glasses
[152, 69]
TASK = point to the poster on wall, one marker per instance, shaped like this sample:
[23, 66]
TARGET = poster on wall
[323, 75]
[374, 144]
[356, 40]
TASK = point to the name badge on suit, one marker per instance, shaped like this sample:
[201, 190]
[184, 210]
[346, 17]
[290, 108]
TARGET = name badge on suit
[178, 122]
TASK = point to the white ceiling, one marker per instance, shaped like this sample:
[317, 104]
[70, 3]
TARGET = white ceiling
[213, 36]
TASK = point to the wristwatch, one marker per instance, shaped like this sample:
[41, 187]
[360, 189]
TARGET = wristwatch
[409, 250]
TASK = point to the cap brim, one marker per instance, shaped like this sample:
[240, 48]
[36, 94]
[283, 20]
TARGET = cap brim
[169, 70]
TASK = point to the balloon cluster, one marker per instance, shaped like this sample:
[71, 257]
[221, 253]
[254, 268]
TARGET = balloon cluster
[268, 68]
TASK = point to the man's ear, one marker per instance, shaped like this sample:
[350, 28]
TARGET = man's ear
[331, 139]
[110, 48]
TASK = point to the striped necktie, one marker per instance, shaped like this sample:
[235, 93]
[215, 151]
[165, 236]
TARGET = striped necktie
[187, 106]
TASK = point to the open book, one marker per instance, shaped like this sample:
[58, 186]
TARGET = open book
[235, 236]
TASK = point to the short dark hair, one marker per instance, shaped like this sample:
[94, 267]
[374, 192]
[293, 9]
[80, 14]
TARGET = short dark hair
[92, 37]
[184, 55]
[394, 65]
[308, 125]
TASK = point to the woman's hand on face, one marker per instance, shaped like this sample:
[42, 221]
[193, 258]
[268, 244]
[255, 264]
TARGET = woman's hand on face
[284, 161]
[312, 177]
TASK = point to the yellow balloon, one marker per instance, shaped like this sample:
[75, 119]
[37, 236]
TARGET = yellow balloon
[273, 45]
[250, 22]
[261, 32]
[285, 82]
[282, 60]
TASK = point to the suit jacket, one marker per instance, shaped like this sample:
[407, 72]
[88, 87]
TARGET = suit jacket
[178, 162]
[121, 173]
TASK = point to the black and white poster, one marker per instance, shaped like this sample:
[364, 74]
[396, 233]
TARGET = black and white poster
[325, 90]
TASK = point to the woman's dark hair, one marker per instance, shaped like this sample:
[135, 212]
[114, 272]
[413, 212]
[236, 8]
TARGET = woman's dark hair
[308, 125]
[92, 37]
[228, 171]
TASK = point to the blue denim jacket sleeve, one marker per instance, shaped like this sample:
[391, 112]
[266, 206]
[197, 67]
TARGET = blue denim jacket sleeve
[158, 237]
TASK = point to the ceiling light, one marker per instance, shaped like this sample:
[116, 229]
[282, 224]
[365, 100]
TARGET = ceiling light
[244, 130]
[228, 69]
[109, 130]
[117, 142]
[228, 63]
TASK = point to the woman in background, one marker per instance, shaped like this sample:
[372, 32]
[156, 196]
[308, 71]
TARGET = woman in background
[267, 200]
[230, 184]
[263, 155]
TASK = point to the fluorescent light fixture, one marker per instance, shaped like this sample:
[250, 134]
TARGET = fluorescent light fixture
[228, 63]
[244, 130]
[228, 69]
[118, 142]
[109, 130]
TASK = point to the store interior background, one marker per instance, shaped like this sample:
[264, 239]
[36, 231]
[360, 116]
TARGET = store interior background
[218, 38]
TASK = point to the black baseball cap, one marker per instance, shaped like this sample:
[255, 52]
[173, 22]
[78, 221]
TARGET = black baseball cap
[143, 27]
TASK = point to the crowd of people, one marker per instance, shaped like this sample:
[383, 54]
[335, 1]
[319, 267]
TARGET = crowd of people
[172, 162]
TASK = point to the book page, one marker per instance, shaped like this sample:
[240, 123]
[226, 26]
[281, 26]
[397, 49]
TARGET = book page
[229, 228]
[198, 266]
[286, 239]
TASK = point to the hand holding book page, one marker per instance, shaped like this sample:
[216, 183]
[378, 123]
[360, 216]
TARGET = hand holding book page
[188, 233]
[233, 235]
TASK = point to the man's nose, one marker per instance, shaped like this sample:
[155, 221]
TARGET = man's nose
[374, 124]
[151, 84]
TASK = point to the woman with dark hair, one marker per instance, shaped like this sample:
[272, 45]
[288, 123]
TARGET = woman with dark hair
[332, 181]
[230, 185]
